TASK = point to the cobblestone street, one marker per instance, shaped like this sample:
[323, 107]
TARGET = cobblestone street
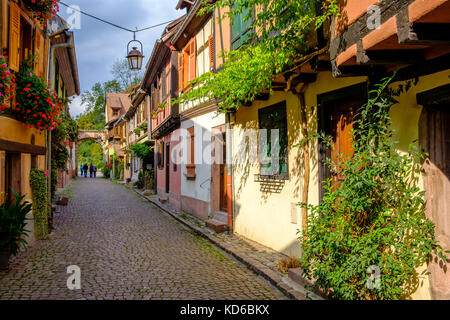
[126, 249]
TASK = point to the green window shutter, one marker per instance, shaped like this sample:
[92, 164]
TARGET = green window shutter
[239, 29]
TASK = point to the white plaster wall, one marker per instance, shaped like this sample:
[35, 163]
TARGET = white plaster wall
[201, 186]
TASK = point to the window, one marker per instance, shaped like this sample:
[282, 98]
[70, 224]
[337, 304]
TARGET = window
[272, 118]
[240, 30]
[203, 41]
[115, 113]
[190, 147]
[187, 64]
[160, 155]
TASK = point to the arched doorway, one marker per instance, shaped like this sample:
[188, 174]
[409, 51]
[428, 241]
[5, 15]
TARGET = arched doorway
[84, 136]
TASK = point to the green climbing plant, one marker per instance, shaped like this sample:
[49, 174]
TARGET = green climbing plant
[38, 184]
[249, 70]
[369, 235]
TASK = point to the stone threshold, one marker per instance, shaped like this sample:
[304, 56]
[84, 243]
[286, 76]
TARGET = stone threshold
[258, 258]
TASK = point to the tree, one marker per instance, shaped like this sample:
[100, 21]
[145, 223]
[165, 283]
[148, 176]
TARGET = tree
[90, 152]
[124, 76]
[93, 118]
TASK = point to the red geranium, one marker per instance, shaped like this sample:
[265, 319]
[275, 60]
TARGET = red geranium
[37, 105]
[44, 10]
[7, 84]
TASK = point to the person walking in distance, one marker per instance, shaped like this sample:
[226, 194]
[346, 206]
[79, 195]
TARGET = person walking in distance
[91, 170]
[85, 169]
[95, 172]
[81, 169]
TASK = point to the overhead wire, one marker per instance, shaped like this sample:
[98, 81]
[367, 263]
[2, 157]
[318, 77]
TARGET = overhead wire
[113, 24]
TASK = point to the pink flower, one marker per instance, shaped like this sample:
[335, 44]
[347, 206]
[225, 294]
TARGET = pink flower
[46, 173]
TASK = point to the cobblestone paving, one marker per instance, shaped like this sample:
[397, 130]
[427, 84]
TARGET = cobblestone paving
[126, 249]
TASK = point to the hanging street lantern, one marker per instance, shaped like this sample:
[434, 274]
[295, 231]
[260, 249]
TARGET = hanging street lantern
[135, 56]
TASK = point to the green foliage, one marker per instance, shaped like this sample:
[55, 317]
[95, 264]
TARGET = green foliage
[249, 70]
[106, 171]
[150, 178]
[140, 182]
[38, 184]
[142, 150]
[374, 217]
[12, 224]
[90, 152]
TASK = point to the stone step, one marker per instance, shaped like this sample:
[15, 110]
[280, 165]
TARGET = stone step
[216, 225]
[221, 216]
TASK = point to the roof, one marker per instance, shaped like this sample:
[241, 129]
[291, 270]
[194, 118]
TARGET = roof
[160, 48]
[59, 33]
[184, 4]
[192, 19]
[116, 101]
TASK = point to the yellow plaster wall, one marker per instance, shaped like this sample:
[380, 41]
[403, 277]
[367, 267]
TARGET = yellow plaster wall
[13, 130]
[266, 217]
[405, 124]
[41, 162]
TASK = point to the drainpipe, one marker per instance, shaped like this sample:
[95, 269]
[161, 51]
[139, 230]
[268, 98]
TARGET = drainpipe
[229, 149]
[50, 77]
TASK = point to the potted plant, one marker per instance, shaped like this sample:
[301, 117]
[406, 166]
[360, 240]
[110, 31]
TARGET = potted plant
[12, 228]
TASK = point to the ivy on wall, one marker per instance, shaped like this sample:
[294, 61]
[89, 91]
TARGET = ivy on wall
[38, 184]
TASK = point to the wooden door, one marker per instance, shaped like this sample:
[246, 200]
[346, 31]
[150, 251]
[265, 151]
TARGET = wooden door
[218, 170]
[435, 140]
[342, 115]
[167, 167]
[12, 175]
[223, 176]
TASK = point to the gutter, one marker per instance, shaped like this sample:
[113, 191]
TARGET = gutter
[192, 13]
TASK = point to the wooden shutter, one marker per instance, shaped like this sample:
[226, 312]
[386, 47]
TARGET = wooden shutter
[211, 51]
[163, 84]
[180, 71]
[192, 58]
[190, 166]
[39, 52]
[14, 37]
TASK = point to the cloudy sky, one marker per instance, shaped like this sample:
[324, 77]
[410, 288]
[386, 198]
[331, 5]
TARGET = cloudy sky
[99, 45]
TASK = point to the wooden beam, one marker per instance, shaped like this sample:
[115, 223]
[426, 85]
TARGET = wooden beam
[390, 57]
[350, 71]
[320, 65]
[428, 34]
[263, 96]
[17, 147]
[305, 78]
